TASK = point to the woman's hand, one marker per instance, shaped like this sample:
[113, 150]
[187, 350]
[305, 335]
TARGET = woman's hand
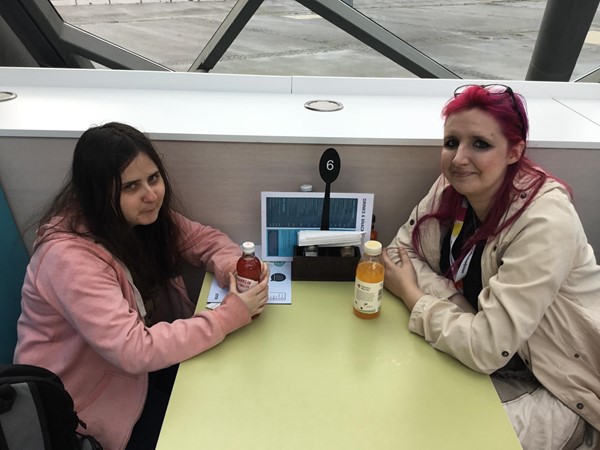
[256, 297]
[401, 279]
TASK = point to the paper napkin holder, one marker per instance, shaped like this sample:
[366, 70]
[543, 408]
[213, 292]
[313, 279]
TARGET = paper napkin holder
[328, 265]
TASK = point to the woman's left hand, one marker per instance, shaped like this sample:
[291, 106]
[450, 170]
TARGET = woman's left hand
[401, 279]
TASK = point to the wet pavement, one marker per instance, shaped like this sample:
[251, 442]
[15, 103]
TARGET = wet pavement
[474, 39]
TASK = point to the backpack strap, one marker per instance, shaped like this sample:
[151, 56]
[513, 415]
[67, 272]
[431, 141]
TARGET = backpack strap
[22, 427]
[8, 396]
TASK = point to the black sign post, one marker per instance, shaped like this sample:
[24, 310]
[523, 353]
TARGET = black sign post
[329, 169]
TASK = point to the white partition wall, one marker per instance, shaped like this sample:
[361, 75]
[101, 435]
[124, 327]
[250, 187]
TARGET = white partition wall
[225, 138]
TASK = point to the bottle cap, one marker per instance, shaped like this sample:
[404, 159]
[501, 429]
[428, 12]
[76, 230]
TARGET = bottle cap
[373, 248]
[248, 247]
[306, 188]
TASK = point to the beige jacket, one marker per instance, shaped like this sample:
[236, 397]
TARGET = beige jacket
[540, 298]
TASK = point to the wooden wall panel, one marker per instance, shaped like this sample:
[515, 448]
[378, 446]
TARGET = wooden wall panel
[220, 183]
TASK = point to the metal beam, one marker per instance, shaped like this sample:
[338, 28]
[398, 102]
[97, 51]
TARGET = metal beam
[54, 43]
[339, 14]
[592, 76]
[218, 44]
[562, 33]
[378, 38]
[80, 42]
[35, 29]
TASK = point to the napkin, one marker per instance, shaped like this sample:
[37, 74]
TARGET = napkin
[329, 238]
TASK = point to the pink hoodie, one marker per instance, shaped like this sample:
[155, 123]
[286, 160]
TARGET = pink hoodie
[80, 319]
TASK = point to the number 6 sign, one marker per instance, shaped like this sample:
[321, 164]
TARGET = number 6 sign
[329, 169]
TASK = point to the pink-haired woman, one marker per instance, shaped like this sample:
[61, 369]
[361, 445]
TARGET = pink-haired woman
[496, 270]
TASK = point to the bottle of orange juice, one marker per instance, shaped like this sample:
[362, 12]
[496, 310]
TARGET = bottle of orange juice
[368, 287]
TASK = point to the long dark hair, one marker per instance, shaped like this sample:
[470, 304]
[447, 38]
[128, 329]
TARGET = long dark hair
[90, 201]
[523, 177]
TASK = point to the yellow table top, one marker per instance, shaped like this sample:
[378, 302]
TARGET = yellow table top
[312, 376]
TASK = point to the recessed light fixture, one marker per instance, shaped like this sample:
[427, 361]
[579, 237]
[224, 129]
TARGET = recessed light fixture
[323, 105]
[6, 96]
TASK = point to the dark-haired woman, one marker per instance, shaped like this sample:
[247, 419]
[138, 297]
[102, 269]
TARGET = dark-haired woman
[496, 269]
[103, 302]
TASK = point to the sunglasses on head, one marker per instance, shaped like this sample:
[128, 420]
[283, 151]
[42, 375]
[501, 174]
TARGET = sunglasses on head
[496, 89]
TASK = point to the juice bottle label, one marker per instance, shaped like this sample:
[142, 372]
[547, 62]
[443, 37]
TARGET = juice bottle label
[367, 296]
[243, 284]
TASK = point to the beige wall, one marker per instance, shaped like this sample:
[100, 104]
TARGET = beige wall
[220, 183]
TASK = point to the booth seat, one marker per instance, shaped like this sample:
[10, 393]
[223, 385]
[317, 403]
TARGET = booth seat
[13, 262]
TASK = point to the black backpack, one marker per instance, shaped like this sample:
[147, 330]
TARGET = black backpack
[36, 412]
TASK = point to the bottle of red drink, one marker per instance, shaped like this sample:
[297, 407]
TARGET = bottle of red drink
[248, 268]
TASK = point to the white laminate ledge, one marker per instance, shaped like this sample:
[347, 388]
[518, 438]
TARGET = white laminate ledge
[589, 108]
[133, 80]
[270, 109]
